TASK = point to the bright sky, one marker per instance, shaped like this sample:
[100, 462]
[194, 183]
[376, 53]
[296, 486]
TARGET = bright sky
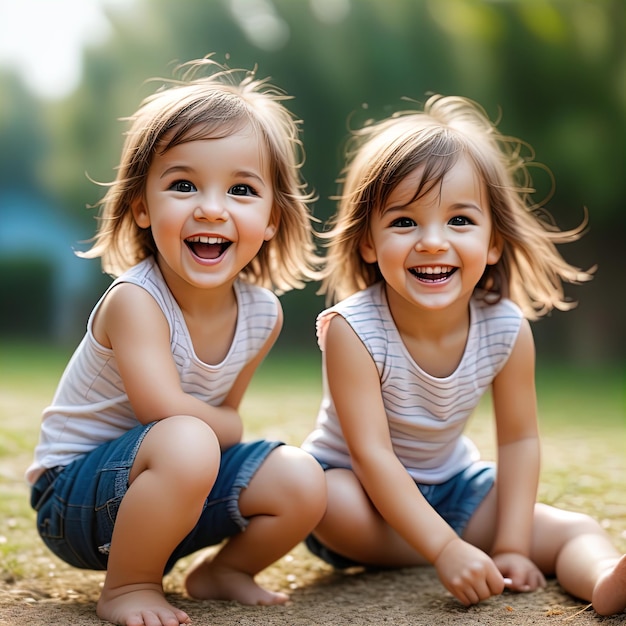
[42, 40]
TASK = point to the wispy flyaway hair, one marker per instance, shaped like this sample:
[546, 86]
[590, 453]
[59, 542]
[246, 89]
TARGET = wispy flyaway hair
[531, 271]
[211, 101]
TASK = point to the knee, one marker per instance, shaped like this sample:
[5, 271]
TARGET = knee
[297, 478]
[350, 515]
[302, 476]
[186, 435]
[185, 448]
[347, 500]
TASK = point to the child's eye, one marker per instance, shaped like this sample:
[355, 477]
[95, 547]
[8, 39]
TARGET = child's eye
[242, 190]
[403, 222]
[184, 186]
[460, 220]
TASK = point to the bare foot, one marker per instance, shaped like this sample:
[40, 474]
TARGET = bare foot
[139, 605]
[206, 581]
[609, 594]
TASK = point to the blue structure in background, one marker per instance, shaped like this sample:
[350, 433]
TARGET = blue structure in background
[37, 247]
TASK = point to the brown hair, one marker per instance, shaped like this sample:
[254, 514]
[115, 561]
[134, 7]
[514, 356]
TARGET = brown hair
[379, 156]
[213, 106]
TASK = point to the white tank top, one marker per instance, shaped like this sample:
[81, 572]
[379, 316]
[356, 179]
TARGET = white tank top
[426, 415]
[90, 405]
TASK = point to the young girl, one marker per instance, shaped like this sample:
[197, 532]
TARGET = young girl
[438, 258]
[140, 460]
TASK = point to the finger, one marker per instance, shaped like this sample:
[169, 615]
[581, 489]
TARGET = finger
[464, 593]
[537, 580]
[471, 596]
[479, 589]
[480, 592]
[519, 584]
[459, 595]
[526, 583]
[530, 581]
[495, 582]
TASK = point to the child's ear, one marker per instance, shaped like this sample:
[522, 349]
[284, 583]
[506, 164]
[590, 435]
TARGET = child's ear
[367, 249]
[272, 226]
[140, 213]
[495, 249]
[270, 231]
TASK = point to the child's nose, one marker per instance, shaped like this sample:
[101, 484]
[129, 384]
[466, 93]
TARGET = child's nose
[211, 209]
[431, 238]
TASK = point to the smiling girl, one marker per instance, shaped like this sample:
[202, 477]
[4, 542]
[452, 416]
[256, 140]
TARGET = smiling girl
[140, 459]
[437, 260]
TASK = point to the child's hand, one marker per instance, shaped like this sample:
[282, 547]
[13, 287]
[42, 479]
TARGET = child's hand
[468, 573]
[524, 574]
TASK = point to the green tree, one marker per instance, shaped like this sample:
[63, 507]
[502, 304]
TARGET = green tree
[552, 72]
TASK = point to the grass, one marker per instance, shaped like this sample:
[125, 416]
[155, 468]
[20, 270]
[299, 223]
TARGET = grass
[582, 414]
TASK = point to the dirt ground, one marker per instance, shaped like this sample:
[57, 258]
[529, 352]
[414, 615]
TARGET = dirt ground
[319, 597]
[36, 589]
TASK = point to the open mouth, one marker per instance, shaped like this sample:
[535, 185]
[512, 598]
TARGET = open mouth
[433, 273]
[207, 247]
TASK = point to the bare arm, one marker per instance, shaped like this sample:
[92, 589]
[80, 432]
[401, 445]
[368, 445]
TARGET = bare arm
[355, 386]
[134, 326]
[515, 409]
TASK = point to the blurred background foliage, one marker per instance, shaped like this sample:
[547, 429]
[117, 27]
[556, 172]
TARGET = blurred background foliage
[553, 72]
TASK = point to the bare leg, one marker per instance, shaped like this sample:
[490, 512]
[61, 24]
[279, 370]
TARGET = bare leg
[609, 593]
[571, 546]
[580, 553]
[174, 471]
[353, 528]
[285, 500]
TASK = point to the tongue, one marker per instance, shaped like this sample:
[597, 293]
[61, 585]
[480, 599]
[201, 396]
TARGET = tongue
[206, 250]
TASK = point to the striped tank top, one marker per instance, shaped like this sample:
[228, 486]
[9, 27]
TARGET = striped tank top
[90, 405]
[426, 414]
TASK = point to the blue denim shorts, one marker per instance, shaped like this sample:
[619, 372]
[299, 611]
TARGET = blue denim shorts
[77, 504]
[455, 500]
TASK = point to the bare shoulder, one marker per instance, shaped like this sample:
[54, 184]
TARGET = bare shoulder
[340, 331]
[347, 358]
[127, 306]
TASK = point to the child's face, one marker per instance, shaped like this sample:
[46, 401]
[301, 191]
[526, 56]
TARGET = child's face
[209, 203]
[433, 251]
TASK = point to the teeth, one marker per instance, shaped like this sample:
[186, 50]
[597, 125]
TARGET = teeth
[205, 239]
[437, 269]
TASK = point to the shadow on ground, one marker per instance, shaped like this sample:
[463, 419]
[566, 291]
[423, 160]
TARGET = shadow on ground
[320, 597]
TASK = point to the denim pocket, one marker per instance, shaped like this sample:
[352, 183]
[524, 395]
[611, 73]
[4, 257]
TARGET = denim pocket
[106, 515]
[54, 526]
[64, 527]
[50, 520]
[44, 487]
